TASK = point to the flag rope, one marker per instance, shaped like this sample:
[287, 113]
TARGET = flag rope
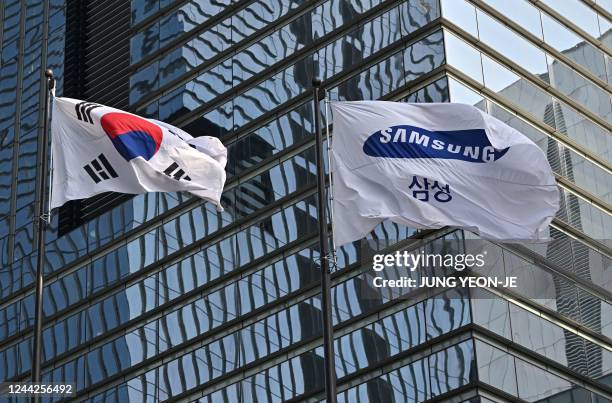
[333, 255]
[47, 216]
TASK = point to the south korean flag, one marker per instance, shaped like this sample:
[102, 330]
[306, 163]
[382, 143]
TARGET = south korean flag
[99, 149]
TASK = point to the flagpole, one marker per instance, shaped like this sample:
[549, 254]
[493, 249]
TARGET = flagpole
[328, 330]
[41, 224]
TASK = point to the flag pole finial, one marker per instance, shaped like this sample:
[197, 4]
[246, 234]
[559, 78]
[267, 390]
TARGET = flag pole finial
[50, 78]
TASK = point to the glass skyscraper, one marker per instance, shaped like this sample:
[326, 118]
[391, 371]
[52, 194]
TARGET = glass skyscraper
[160, 297]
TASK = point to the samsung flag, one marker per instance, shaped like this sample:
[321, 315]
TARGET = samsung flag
[433, 165]
[100, 149]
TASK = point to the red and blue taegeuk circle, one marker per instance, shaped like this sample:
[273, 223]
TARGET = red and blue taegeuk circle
[131, 135]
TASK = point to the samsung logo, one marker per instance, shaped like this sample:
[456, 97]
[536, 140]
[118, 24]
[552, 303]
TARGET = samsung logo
[405, 141]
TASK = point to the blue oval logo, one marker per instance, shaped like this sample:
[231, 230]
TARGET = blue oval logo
[406, 141]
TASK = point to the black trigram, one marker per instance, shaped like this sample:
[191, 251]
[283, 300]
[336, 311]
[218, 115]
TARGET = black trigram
[176, 174]
[83, 110]
[100, 169]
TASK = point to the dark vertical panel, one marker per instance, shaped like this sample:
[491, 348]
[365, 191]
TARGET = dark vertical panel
[106, 52]
[97, 62]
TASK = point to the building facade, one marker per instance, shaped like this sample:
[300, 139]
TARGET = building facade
[159, 297]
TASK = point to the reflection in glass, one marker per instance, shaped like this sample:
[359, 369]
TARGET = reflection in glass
[451, 368]
[578, 13]
[463, 56]
[462, 14]
[521, 12]
[496, 368]
[573, 46]
[522, 52]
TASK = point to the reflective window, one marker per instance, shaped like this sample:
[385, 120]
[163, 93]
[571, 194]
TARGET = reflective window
[179, 326]
[142, 9]
[538, 104]
[573, 46]
[434, 92]
[491, 312]
[558, 35]
[269, 140]
[578, 13]
[583, 215]
[420, 380]
[271, 334]
[187, 17]
[33, 24]
[463, 56]
[579, 88]
[194, 53]
[9, 323]
[451, 368]
[196, 92]
[521, 12]
[144, 43]
[496, 368]
[544, 66]
[11, 275]
[66, 291]
[63, 250]
[26, 186]
[521, 52]
[536, 384]
[414, 15]
[446, 312]
[541, 336]
[462, 14]
[343, 53]
[12, 14]
[176, 24]
[267, 52]
[144, 81]
[113, 312]
[23, 241]
[383, 339]
[273, 92]
[259, 14]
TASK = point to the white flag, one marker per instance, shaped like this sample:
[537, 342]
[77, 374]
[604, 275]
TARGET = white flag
[99, 149]
[433, 165]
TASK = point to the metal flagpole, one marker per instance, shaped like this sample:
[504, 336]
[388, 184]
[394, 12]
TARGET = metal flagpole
[41, 223]
[328, 330]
